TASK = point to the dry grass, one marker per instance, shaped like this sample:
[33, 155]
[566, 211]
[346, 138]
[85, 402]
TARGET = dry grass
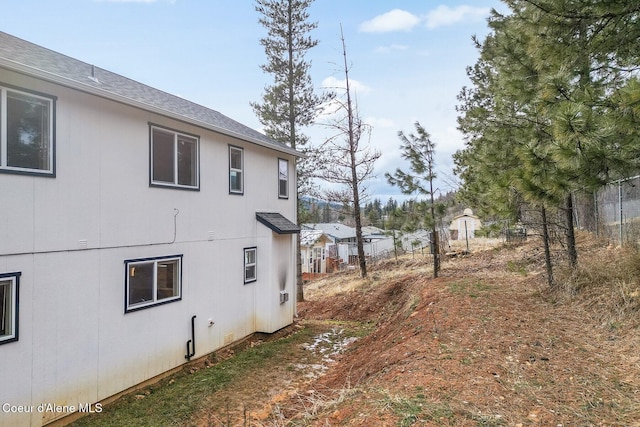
[606, 284]
[488, 343]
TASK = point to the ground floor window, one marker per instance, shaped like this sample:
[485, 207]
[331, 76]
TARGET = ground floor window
[9, 289]
[250, 273]
[152, 281]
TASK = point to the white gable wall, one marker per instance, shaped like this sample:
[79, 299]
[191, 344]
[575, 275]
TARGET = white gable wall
[76, 345]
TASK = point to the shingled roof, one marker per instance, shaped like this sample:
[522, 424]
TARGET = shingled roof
[276, 222]
[28, 58]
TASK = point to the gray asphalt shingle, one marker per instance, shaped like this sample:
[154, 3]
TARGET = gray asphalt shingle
[14, 50]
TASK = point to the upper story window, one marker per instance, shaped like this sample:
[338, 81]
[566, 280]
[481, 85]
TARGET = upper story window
[236, 166]
[174, 159]
[9, 287]
[26, 132]
[152, 281]
[283, 178]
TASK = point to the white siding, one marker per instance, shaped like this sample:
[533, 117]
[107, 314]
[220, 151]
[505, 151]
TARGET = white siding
[76, 344]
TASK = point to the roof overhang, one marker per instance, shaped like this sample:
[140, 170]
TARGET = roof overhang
[277, 222]
[73, 84]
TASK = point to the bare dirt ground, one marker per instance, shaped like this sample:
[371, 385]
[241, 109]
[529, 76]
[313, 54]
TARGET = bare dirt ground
[485, 344]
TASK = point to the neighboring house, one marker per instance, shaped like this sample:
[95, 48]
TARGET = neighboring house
[343, 240]
[138, 230]
[339, 233]
[314, 246]
[372, 234]
[464, 225]
[341, 249]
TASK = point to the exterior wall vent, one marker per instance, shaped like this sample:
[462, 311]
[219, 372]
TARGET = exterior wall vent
[93, 77]
[284, 297]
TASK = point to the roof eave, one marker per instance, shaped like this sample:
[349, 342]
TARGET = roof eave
[73, 84]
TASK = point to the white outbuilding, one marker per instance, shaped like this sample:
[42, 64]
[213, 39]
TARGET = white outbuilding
[465, 225]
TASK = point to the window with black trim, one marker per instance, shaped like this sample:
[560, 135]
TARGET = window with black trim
[250, 264]
[283, 178]
[26, 132]
[9, 292]
[152, 281]
[174, 159]
[236, 170]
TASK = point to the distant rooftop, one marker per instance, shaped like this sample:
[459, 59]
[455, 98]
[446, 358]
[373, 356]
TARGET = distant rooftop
[334, 229]
[309, 237]
[27, 58]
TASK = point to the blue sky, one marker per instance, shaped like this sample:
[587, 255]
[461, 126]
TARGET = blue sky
[407, 57]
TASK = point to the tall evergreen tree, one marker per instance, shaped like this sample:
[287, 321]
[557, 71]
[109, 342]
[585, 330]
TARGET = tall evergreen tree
[544, 92]
[506, 162]
[290, 103]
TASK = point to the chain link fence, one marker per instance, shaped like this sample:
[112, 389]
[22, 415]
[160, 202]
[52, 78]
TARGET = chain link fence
[617, 213]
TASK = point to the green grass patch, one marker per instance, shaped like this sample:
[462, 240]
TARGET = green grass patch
[517, 267]
[174, 400]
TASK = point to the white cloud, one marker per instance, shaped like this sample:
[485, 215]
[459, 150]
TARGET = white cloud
[444, 15]
[356, 87]
[391, 48]
[331, 109]
[395, 20]
[401, 20]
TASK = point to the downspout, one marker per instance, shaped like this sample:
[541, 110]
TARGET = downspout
[191, 344]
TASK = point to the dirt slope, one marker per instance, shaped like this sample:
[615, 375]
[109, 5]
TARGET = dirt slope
[485, 344]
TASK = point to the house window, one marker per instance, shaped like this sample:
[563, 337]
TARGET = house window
[26, 132]
[174, 159]
[236, 177]
[9, 290]
[152, 281]
[283, 178]
[250, 265]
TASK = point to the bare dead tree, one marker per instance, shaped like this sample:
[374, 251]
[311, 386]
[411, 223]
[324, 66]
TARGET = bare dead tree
[345, 161]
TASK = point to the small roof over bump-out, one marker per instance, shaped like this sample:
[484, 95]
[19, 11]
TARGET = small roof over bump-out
[277, 222]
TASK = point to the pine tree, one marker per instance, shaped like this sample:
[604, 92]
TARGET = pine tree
[506, 162]
[419, 150]
[548, 90]
[289, 104]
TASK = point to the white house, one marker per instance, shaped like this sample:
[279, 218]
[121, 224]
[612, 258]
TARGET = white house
[138, 230]
[339, 233]
[314, 247]
[340, 247]
[342, 240]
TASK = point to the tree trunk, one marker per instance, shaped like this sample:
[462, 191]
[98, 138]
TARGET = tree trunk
[569, 233]
[436, 243]
[355, 182]
[547, 250]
